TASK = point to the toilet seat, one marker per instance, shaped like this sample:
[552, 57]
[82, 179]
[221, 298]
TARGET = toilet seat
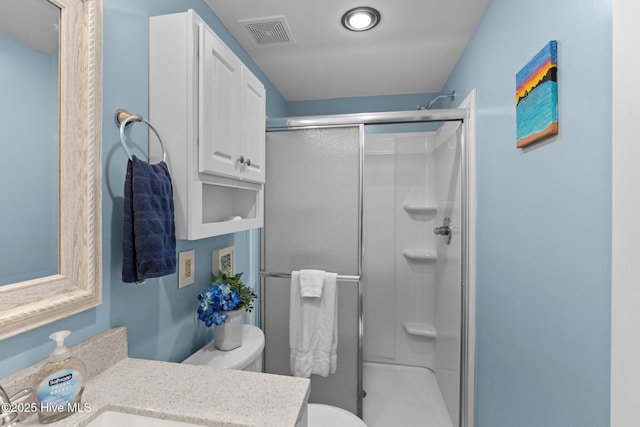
[319, 415]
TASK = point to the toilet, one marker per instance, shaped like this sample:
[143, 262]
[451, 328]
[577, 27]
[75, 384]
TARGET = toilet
[248, 357]
[319, 415]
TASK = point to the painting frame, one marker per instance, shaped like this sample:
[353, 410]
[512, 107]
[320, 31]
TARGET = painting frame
[537, 97]
[223, 260]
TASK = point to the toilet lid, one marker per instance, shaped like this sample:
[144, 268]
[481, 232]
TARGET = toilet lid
[326, 415]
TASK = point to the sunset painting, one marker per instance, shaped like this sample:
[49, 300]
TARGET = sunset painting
[537, 97]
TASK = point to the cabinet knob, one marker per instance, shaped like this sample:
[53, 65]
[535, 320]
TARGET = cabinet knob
[242, 161]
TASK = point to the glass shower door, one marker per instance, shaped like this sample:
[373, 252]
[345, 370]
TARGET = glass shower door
[312, 221]
[412, 301]
[450, 266]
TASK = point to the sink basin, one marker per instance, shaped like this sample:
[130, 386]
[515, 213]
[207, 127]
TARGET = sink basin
[115, 418]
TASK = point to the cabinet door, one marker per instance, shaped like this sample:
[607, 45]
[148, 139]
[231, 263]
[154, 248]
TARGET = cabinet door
[220, 77]
[253, 127]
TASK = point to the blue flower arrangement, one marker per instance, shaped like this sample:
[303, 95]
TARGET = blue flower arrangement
[226, 293]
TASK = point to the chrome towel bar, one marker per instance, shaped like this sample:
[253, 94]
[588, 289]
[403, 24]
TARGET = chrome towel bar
[341, 277]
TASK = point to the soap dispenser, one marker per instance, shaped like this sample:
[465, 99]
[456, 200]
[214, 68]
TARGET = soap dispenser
[59, 384]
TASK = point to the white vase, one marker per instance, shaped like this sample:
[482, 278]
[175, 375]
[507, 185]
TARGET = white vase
[229, 334]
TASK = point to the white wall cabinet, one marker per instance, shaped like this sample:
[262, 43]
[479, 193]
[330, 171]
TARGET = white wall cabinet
[232, 114]
[210, 112]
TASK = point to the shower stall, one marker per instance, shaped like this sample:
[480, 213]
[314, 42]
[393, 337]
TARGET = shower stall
[381, 199]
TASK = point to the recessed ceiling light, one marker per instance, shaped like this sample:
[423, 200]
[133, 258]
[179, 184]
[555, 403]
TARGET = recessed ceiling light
[360, 18]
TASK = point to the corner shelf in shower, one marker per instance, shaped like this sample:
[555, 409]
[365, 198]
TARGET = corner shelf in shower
[419, 255]
[420, 329]
[419, 208]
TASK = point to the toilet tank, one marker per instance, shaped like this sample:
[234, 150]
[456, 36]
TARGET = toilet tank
[247, 357]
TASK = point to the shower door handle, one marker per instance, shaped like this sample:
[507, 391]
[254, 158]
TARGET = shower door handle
[444, 230]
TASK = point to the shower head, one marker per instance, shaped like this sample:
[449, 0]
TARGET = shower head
[427, 106]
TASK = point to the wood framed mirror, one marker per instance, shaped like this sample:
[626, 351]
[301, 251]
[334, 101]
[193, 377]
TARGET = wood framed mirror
[77, 286]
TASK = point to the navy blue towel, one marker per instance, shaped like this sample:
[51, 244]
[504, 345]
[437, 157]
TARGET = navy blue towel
[149, 232]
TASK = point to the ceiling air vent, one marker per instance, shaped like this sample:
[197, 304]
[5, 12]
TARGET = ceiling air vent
[268, 31]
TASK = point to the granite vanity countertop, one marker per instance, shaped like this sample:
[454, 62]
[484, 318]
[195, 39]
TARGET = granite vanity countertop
[194, 394]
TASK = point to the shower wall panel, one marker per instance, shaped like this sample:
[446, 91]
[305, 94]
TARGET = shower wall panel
[379, 295]
[399, 266]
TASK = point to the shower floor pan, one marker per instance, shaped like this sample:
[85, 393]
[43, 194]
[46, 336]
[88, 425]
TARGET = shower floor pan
[402, 396]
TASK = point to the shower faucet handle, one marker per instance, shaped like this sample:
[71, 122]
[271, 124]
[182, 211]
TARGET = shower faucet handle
[445, 229]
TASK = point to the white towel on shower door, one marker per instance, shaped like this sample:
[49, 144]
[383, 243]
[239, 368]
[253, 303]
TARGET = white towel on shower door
[311, 283]
[313, 329]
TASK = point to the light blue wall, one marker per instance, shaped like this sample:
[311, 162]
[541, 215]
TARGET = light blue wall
[543, 285]
[362, 104]
[160, 318]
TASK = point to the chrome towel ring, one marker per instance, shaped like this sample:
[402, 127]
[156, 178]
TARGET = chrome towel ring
[123, 118]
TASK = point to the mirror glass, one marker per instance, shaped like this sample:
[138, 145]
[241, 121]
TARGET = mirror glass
[29, 84]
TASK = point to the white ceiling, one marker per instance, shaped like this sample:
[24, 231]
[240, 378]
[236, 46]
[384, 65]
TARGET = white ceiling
[412, 50]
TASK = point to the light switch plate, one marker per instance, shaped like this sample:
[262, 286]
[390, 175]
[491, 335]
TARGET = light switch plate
[186, 268]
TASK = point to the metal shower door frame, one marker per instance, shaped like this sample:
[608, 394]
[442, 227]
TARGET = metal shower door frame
[399, 117]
